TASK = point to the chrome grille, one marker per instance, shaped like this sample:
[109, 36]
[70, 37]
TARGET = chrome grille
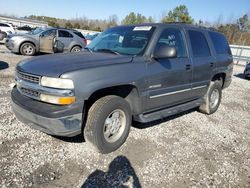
[28, 77]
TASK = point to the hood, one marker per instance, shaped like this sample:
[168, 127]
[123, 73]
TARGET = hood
[56, 64]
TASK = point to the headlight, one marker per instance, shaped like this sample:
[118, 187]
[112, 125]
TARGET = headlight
[57, 99]
[59, 83]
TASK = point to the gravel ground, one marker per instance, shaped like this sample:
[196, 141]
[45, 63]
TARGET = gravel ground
[188, 150]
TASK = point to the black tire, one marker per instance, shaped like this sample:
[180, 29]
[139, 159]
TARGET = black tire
[76, 49]
[210, 106]
[27, 49]
[98, 115]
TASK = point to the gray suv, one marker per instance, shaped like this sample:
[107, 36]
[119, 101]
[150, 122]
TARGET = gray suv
[138, 72]
[49, 40]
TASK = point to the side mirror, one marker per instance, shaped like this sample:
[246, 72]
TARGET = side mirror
[165, 52]
[58, 46]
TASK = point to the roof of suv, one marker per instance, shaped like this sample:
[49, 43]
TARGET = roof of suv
[178, 24]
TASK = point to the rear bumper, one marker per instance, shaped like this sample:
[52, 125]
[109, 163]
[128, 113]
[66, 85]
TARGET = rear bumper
[51, 119]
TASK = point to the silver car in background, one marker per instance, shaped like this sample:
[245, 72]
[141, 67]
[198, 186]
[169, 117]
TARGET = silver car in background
[46, 40]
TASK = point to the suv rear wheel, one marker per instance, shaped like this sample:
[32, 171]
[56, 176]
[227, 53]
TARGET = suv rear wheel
[28, 49]
[108, 123]
[212, 98]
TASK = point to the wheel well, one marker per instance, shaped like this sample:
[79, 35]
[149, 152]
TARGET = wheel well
[128, 92]
[26, 42]
[220, 76]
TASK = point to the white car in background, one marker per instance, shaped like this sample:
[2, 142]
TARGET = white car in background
[5, 29]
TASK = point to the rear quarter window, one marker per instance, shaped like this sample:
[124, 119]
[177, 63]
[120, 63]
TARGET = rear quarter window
[220, 43]
[199, 44]
[79, 34]
[64, 34]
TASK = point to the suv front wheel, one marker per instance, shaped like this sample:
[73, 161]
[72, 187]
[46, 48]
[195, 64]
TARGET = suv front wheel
[212, 98]
[108, 123]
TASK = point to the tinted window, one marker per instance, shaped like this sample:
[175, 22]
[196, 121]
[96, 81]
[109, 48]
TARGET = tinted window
[199, 44]
[173, 37]
[64, 34]
[4, 25]
[79, 34]
[220, 43]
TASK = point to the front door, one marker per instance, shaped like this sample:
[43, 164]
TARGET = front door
[47, 40]
[169, 80]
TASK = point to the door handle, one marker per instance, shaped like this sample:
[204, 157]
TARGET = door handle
[188, 67]
[212, 64]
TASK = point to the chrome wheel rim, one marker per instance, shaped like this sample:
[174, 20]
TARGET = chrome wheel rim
[28, 49]
[114, 126]
[214, 98]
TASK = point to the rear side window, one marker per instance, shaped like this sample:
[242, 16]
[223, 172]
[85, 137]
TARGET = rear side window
[64, 34]
[79, 34]
[220, 43]
[199, 44]
[173, 37]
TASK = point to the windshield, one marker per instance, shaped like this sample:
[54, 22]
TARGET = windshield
[36, 31]
[126, 40]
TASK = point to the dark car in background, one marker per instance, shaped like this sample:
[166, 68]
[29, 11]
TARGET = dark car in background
[247, 70]
[46, 40]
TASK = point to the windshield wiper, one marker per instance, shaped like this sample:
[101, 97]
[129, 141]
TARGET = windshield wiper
[108, 50]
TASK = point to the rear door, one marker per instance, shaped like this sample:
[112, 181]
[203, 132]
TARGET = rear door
[47, 40]
[65, 38]
[169, 80]
[203, 61]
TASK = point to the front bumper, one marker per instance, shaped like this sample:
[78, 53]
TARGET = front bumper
[51, 119]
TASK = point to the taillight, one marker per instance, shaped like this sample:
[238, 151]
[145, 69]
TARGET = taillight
[85, 41]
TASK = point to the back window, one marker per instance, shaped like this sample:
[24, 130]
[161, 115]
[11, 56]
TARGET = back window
[64, 34]
[199, 44]
[220, 43]
[79, 34]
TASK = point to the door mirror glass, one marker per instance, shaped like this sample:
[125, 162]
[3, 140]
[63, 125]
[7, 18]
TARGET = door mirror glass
[165, 51]
[58, 46]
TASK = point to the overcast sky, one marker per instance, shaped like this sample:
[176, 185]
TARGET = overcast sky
[207, 10]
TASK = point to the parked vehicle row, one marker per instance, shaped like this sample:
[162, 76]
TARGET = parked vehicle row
[47, 40]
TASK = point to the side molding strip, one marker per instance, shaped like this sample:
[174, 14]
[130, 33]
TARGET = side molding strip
[174, 92]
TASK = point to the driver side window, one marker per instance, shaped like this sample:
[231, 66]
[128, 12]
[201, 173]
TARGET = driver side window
[173, 38]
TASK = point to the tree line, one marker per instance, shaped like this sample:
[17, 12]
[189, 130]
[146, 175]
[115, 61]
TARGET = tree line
[237, 33]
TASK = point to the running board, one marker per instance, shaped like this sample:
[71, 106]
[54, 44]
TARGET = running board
[160, 114]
